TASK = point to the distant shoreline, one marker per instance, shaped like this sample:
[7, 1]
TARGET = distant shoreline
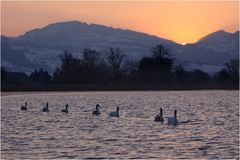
[117, 87]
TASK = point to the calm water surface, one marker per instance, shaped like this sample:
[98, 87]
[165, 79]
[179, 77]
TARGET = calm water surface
[211, 128]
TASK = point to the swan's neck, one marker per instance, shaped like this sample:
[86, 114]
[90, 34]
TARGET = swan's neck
[175, 114]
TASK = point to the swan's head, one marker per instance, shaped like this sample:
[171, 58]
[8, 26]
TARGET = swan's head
[25, 103]
[67, 106]
[117, 108]
[47, 105]
[97, 106]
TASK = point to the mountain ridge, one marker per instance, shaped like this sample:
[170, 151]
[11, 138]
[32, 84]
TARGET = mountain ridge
[42, 46]
[116, 28]
[91, 24]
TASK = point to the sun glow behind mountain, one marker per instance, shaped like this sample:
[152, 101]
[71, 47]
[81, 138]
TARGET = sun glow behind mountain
[183, 21]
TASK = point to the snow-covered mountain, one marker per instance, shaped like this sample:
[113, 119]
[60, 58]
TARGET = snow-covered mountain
[40, 48]
[221, 41]
[211, 52]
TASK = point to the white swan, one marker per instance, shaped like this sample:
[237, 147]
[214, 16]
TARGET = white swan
[114, 114]
[24, 107]
[173, 120]
[45, 109]
[159, 117]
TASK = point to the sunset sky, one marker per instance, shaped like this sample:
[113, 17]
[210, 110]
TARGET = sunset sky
[183, 22]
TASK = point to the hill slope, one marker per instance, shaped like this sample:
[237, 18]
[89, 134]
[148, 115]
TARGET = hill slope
[41, 47]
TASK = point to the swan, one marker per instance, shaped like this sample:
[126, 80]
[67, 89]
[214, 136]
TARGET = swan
[159, 117]
[66, 109]
[173, 120]
[24, 107]
[114, 114]
[96, 112]
[45, 109]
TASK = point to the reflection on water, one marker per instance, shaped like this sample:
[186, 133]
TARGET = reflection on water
[210, 128]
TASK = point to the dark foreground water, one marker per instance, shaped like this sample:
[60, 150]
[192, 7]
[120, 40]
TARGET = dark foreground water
[211, 128]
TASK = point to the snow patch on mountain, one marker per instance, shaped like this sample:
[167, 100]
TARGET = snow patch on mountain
[42, 47]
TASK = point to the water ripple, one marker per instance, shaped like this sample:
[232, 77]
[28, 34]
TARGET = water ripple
[208, 126]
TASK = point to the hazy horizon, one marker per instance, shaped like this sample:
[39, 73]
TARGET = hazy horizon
[182, 22]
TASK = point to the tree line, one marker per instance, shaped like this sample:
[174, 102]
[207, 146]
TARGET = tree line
[116, 68]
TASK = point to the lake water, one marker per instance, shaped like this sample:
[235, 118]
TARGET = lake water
[211, 128]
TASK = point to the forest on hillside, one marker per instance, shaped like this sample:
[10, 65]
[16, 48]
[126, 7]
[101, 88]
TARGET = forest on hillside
[116, 71]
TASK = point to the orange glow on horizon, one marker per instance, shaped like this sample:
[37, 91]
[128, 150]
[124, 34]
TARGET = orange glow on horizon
[180, 21]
